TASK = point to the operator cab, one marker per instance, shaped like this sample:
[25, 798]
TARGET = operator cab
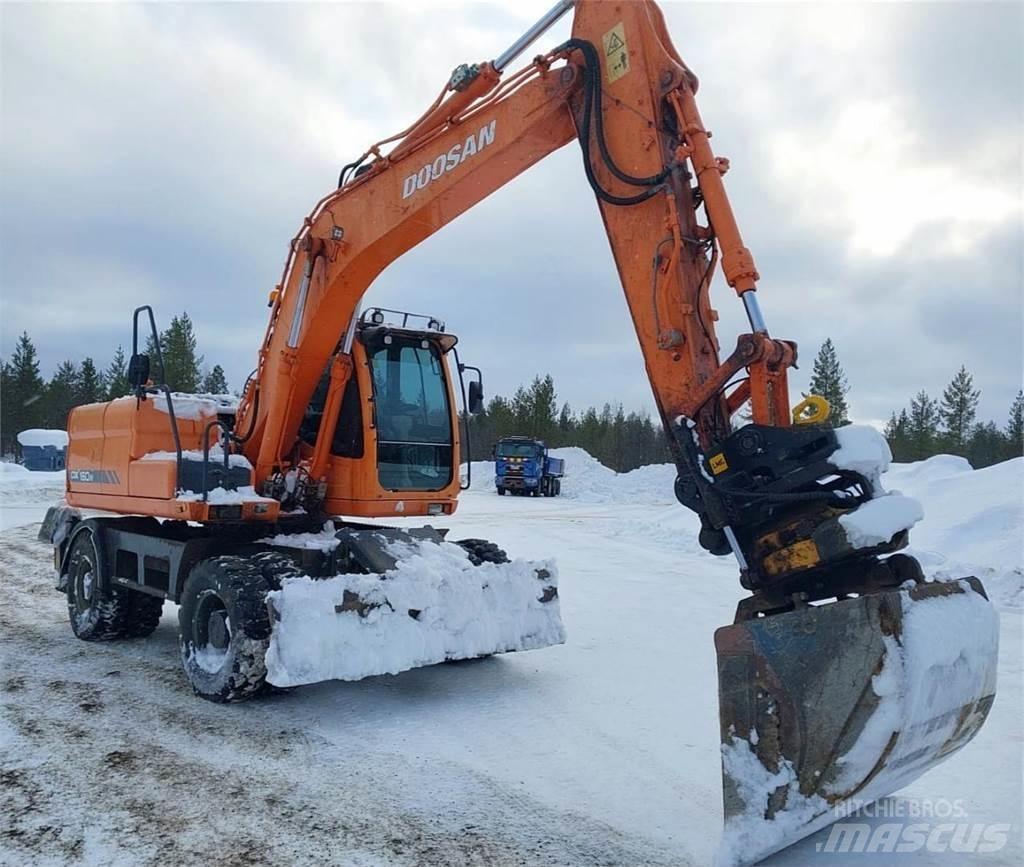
[403, 397]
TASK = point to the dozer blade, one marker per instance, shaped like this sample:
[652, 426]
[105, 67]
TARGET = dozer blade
[432, 604]
[830, 707]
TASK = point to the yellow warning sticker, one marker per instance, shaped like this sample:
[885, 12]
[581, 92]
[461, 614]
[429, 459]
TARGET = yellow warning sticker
[616, 53]
[718, 463]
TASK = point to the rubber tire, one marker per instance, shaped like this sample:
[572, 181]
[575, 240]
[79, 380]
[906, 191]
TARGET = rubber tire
[501, 492]
[99, 614]
[143, 615]
[241, 584]
[558, 487]
[482, 551]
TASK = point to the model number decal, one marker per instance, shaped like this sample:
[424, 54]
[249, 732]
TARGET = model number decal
[455, 156]
[95, 477]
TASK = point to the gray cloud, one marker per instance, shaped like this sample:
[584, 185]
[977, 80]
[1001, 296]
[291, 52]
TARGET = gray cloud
[166, 153]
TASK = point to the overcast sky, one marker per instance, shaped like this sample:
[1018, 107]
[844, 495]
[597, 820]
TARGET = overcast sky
[165, 154]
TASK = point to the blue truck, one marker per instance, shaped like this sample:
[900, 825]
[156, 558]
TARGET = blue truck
[523, 466]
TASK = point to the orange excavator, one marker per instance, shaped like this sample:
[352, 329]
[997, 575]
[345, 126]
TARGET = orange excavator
[832, 685]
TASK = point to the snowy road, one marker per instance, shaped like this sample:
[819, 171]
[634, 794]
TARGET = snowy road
[603, 751]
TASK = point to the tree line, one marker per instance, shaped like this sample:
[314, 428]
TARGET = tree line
[930, 426]
[27, 400]
[619, 440]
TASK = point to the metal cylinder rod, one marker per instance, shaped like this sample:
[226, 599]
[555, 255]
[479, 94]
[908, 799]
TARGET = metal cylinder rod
[736, 549]
[531, 35]
[300, 305]
[754, 313]
[350, 334]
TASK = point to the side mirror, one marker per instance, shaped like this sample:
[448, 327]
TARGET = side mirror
[138, 371]
[476, 397]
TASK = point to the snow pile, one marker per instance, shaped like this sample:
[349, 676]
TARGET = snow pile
[224, 497]
[196, 406]
[465, 611]
[587, 480]
[216, 456]
[42, 438]
[974, 524]
[20, 485]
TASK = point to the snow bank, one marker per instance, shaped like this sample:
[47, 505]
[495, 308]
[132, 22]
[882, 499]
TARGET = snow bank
[19, 485]
[41, 438]
[465, 611]
[587, 480]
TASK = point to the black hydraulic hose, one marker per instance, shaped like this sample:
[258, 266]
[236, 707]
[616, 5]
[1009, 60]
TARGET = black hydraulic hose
[592, 93]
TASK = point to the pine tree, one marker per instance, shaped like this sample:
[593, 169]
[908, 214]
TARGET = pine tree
[1015, 427]
[215, 382]
[957, 410]
[90, 387]
[116, 377]
[182, 364]
[829, 380]
[897, 432]
[986, 445]
[923, 427]
[61, 395]
[21, 405]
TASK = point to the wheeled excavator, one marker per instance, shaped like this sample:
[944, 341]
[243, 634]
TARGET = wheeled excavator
[266, 519]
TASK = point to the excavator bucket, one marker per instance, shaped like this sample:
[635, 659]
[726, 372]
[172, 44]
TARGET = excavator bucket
[417, 600]
[829, 707]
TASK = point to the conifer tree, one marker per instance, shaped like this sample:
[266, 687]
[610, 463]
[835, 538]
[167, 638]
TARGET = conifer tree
[923, 427]
[1015, 427]
[215, 382]
[957, 410]
[829, 381]
[61, 395]
[89, 387]
[116, 376]
[21, 403]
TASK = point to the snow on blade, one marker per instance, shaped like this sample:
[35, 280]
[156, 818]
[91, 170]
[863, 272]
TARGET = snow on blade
[326, 540]
[465, 611]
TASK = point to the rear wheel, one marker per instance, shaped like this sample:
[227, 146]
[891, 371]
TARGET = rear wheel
[224, 626]
[97, 612]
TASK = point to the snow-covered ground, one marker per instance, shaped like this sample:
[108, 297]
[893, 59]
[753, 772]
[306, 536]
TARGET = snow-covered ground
[601, 751]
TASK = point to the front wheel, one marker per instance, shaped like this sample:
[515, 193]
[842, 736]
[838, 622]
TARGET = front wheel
[224, 629]
[501, 492]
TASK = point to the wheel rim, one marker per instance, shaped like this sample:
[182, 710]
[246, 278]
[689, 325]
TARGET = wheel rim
[84, 583]
[211, 632]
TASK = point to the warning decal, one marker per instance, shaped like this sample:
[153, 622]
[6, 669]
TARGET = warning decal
[616, 53]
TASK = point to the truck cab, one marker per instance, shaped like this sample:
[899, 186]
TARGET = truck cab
[523, 466]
